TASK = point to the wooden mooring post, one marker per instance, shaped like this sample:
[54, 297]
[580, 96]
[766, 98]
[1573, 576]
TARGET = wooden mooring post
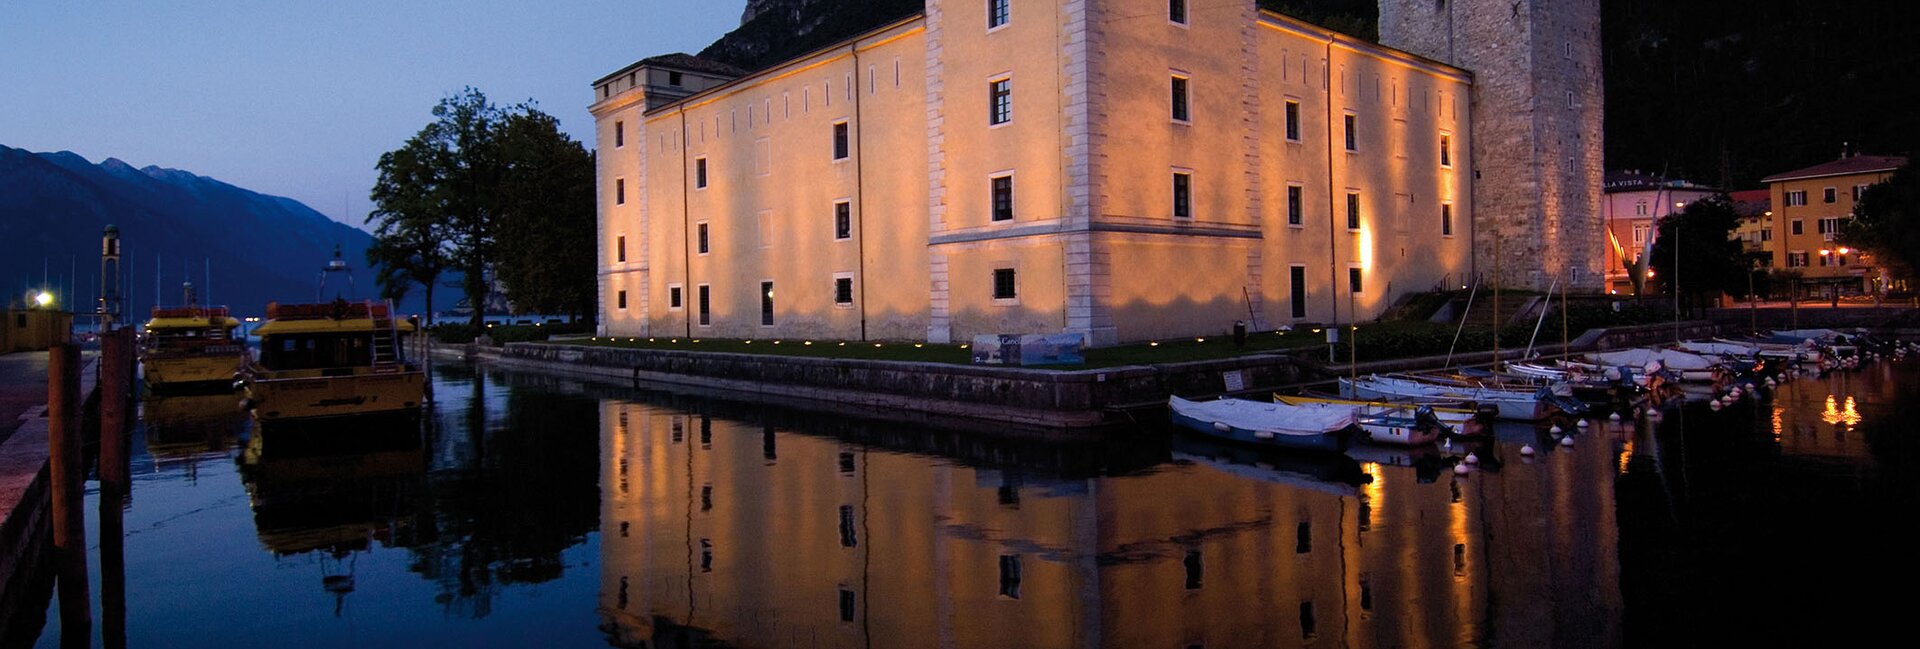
[116, 398]
[68, 485]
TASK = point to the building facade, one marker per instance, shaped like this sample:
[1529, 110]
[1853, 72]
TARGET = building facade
[1125, 169]
[1810, 204]
[1635, 203]
[1538, 107]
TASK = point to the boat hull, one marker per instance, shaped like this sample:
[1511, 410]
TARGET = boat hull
[317, 397]
[190, 371]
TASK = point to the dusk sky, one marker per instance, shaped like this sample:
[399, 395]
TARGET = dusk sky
[299, 99]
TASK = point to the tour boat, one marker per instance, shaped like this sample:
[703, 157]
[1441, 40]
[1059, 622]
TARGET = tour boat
[331, 359]
[1266, 423]
[186, 346]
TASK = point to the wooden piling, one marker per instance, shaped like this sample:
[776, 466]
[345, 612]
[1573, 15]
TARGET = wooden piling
[68, 493]
[116, 380]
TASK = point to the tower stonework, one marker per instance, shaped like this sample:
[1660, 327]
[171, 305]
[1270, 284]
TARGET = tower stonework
[1537, 128]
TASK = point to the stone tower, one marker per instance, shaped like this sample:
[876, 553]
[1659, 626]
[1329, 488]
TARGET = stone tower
[1537, 142]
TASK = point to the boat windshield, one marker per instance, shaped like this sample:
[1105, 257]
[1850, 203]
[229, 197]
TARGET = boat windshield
[317, 351]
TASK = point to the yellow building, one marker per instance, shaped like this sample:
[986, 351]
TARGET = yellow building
[1063, 165]
[1808, 207]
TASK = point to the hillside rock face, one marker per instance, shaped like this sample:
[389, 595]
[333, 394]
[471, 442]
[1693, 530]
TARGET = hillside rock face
[259, 247]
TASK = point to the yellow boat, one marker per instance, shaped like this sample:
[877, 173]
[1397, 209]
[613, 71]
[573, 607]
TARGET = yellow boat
[190, 345]
[331, 359]
[1452, 416]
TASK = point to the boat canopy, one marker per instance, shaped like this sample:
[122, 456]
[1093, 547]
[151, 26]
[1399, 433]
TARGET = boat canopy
[357, 325]
[193, 323]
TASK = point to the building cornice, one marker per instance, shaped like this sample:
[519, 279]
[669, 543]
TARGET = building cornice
[1288, 24]
[798, 64]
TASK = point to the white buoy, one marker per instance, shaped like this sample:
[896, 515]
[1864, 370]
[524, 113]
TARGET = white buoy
[1472, 459]
[1715, 405]
[1581, 423]
[1566, 441]
[1614, 416]
[1526, 450]
[1555, 429]
[1460, 469]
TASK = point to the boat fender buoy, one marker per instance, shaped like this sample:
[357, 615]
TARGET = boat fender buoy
[1526, 450]
[1472, 459]
[1614, 416]
[1715, 406]
[1222, 427]
[1581, 423]
[1460, 469]
[1566, 441]
[1555, 429]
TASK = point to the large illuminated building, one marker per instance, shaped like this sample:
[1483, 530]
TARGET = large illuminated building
[1126, 169]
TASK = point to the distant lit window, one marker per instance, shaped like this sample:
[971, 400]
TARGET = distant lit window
[766, 304]
[1000, 101]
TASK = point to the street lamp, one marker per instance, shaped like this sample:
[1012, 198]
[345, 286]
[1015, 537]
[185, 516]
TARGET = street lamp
[43, 299]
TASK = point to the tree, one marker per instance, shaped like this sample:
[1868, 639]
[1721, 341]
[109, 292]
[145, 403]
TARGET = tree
[441, 187]
[1886, 222]
[1710, 262]
[545, 220]
[410, 242]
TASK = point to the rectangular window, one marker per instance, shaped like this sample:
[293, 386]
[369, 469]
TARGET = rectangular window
[999, 101]
[620, 248]
[703, 240]
[1829, 195]
[843, 290]
[997, 12]
[1640, 233]
[619, 191]
[699, 173]
[706, 305]
[1766, 235]
[1796, 198]
[1446, 219]
[846, 605]
[1353, 281]
[1796, 260]
[1353, 210]
[766, 304]
[1353, 138]
[1180, 112]
[674, 79]
[1797, 226]
[673, 297]
[1296, 215]
[1002, 198]
[621, 298]
[839, 140]
[619, 134]
[1446, 150]
[1297, 287]
[1293, 121]
[1858, 191]
[1182, 195]
[848, 538]
[1177, 11]
[1829, 227]
[1004, 285]
[842, 220]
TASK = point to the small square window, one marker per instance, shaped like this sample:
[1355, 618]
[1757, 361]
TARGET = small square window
[842, 220]
[1002, 198]
[1182, 195]
[1180, 109]
[674, 79]
[999, 101]
[1829, 195]
[843, 291]
[1004, 285]
[1798, 227]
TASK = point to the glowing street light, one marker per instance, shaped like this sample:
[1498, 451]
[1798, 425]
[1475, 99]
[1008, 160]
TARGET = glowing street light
[43, 299]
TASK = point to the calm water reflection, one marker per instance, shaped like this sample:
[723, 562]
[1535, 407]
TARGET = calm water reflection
[539, 511]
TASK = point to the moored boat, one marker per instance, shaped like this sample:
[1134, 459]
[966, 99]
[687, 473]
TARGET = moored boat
[1265, 423]
[189, 346]
[1518, 405]
[330, 360]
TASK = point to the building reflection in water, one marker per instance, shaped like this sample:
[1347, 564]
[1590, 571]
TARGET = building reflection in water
[709, 534]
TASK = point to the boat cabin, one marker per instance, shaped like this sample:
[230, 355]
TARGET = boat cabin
[337, 335]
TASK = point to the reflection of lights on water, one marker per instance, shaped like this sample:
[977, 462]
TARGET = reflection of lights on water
[1778, 425]
[1835, 414]
[1626, 451]
[1375, 491]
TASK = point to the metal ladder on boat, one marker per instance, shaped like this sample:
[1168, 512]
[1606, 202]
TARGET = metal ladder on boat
[385, 351]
